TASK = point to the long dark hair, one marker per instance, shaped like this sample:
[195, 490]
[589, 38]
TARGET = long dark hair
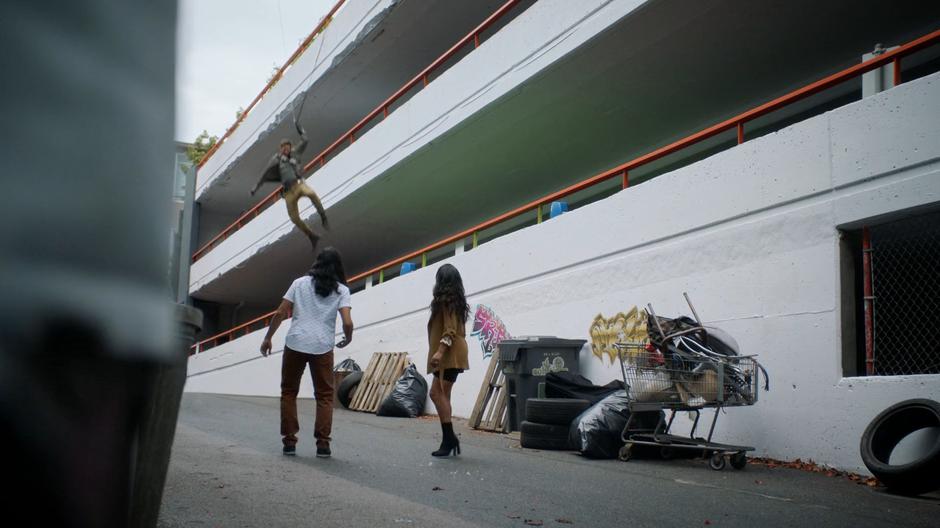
[448, 294]
[327, 272]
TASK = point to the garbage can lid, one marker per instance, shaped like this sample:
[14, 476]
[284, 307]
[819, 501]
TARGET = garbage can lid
[542, 341]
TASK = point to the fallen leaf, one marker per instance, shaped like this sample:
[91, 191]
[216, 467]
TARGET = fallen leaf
[533, 522]
[758, 482]
[437, 488]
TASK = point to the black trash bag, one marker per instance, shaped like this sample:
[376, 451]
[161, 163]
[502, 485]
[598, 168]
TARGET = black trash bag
[347, 365]
[568, 385]
[408, 397]
[597, 432]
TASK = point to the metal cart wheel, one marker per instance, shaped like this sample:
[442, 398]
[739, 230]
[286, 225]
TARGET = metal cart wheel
[717, 462]
[626, 451]
[739, 460]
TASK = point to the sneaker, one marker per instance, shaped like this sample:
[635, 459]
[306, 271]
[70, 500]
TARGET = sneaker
[290, 450]
[323, 452]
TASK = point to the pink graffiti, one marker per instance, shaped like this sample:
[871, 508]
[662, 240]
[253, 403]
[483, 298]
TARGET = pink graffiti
[489, 329]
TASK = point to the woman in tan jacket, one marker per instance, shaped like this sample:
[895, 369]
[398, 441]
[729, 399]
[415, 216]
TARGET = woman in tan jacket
[447, 348]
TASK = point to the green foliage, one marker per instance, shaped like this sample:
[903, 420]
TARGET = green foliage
[201, 145]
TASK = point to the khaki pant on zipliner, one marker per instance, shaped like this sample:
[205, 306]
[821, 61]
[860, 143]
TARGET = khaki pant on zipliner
[292, 196]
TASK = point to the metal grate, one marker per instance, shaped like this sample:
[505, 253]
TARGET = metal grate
[905, 280]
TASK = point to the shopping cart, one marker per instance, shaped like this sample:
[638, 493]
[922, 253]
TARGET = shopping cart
[684, 368]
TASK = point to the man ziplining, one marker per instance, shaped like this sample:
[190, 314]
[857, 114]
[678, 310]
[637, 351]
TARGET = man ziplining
[285, 168]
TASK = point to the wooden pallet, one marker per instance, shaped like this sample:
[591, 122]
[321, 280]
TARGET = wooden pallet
[489, 411]
[378, 380]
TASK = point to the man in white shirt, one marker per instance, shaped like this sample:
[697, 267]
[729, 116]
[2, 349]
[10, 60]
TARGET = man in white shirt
[312, 301]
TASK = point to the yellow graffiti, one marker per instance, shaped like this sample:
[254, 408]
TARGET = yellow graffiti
[627, 327]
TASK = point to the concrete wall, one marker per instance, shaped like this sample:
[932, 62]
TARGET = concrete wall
[750, 233]
[342, 31]
[541, 35]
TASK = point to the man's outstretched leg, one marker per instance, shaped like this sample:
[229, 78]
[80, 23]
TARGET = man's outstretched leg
[305, 190]
[290, 198]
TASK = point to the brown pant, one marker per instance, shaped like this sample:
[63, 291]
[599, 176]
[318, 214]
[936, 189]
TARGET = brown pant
[292, 370]
[292, 196]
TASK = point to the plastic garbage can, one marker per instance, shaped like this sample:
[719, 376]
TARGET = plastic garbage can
[525, 362]
[557, 209]
[407, 267]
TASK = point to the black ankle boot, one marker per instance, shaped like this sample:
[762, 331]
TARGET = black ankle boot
[450, 444]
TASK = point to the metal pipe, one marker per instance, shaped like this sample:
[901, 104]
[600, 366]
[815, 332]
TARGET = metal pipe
[656, 320]
[869, 298]
[688, 301]
[711, 430]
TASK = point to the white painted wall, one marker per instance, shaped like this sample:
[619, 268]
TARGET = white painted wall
[342, 31]
[541, 35]
[750, 233]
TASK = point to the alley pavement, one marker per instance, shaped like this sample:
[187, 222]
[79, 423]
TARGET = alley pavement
[227, 470]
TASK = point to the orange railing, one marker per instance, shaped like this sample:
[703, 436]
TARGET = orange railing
[735, 123]
[277, 76]
[347, 138]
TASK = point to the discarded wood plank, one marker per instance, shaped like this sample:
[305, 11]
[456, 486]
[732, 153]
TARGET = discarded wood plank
[372, 384]
[496, 414]
[365, 385]
[378, 380]
[367, 376]
[386, 384]
[360, 388]
[489, 413]
[485, 391]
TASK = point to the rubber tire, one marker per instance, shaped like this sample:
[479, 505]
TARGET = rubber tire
[544, 436]
[344, 392]
[554, 411]
[717, 461]
[885, 432]
[738, 460]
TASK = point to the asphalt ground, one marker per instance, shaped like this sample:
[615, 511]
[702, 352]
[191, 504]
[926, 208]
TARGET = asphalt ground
[227, 470]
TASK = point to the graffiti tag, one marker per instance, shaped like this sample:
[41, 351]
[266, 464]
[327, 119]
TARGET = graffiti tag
[489, 329]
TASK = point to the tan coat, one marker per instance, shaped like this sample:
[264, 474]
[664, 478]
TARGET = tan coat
[455, 356]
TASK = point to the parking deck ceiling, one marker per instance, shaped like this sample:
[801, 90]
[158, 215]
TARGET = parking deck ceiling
[403, 42]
